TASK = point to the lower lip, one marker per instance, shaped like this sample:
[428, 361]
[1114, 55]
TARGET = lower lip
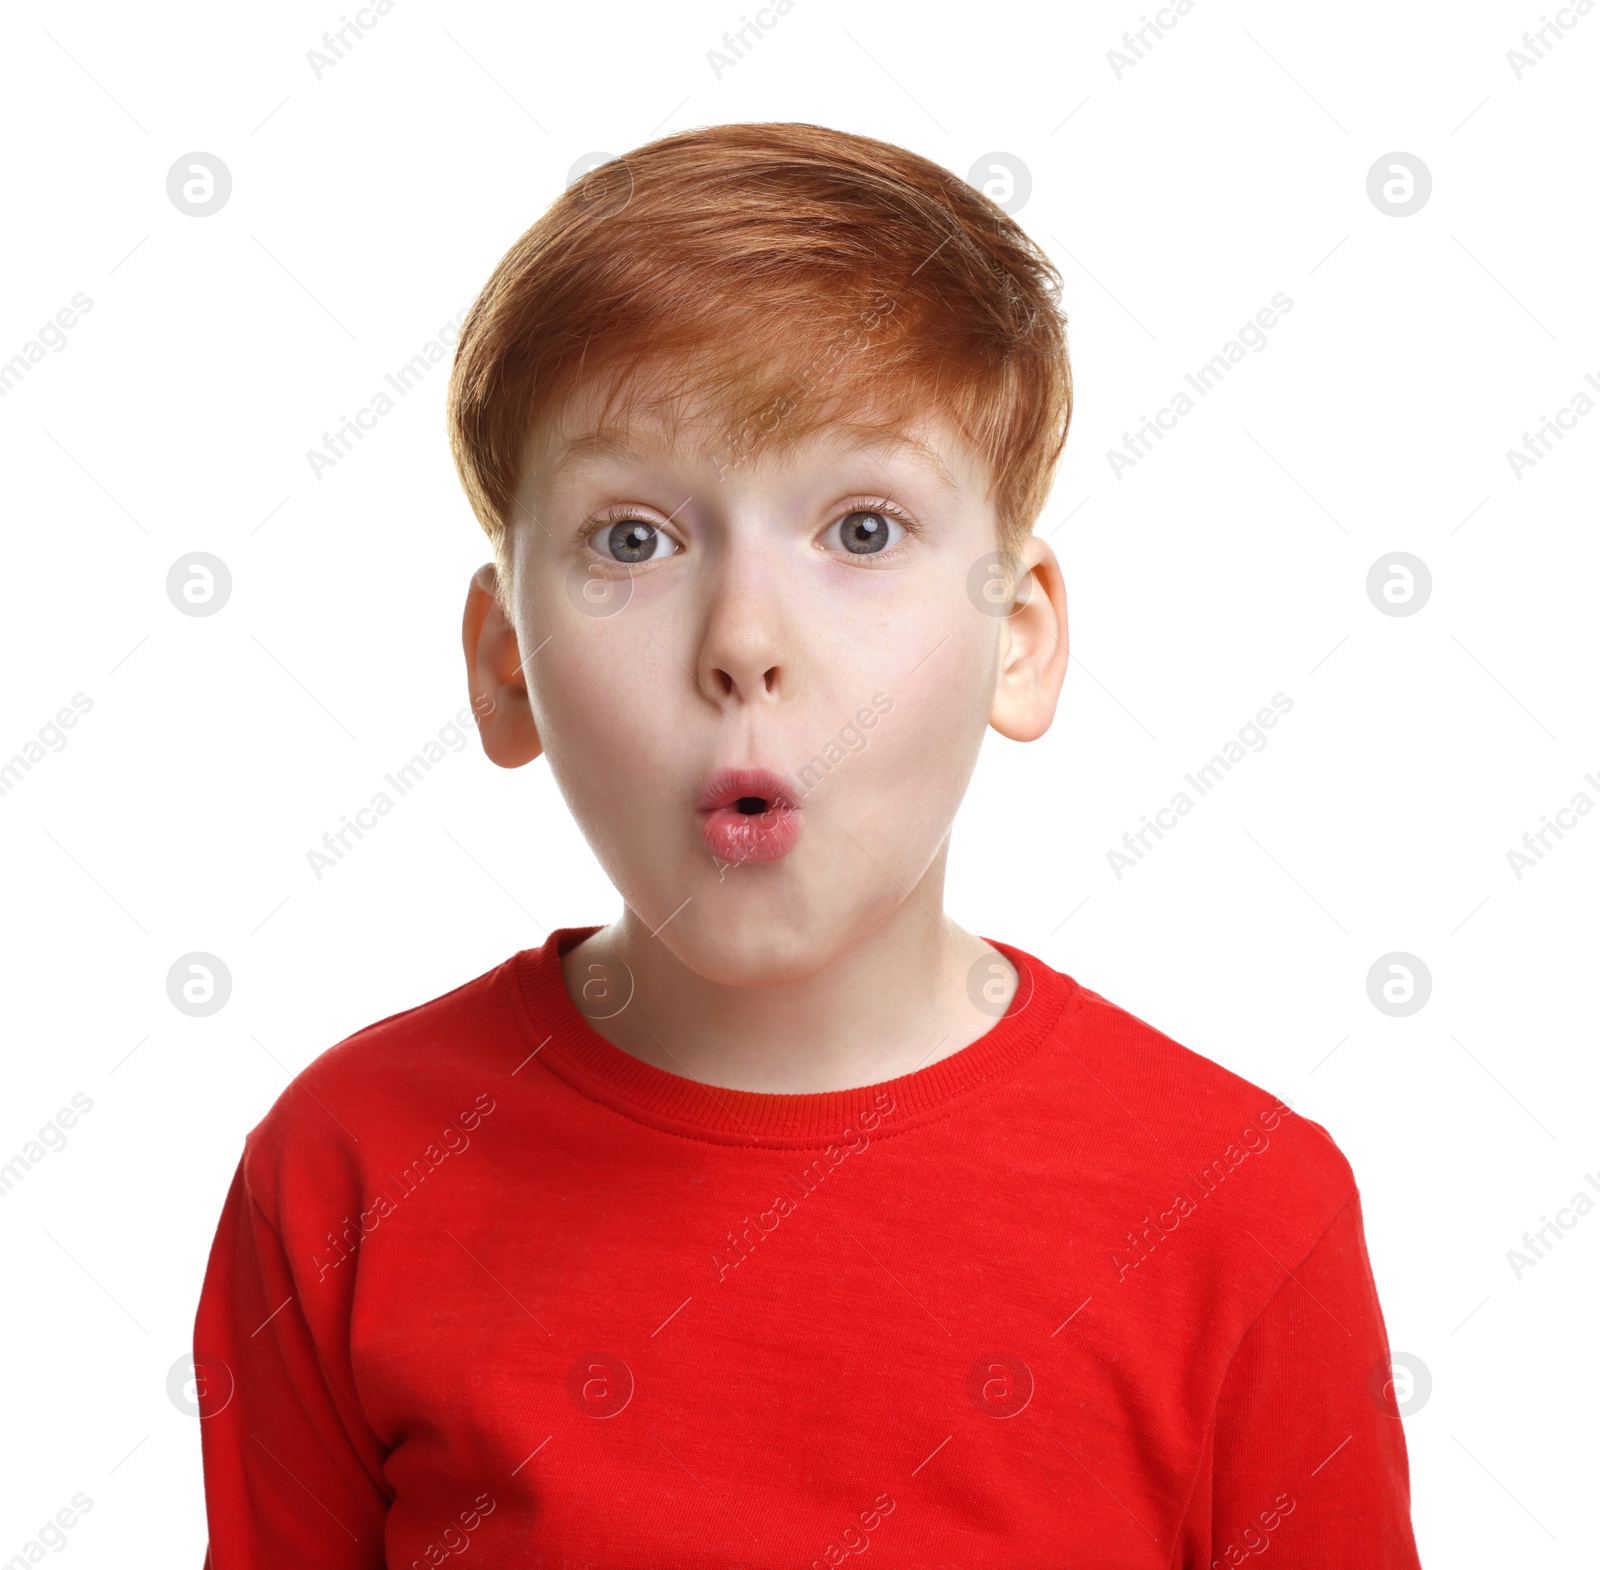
[731, 835]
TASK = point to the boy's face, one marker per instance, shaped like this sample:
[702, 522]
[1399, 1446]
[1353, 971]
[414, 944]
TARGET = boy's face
[825, 611]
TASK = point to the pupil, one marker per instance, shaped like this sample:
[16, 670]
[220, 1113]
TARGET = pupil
[865, 532]
[749, 805]
[632, 540]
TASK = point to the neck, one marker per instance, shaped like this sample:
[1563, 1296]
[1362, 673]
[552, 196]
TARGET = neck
[895, 1001]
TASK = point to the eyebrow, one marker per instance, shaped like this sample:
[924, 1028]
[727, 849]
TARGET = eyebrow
[598, 445]
[915, 449]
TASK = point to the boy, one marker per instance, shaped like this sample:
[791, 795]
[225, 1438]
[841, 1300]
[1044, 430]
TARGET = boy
[781, 1219]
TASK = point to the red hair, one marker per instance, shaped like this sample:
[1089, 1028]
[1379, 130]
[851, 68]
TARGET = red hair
[785, 276]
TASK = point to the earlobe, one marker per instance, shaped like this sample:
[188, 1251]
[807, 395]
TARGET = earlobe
[496, 682]
[1033, 648]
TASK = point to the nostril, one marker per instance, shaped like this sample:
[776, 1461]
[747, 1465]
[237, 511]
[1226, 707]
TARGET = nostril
[750, 805]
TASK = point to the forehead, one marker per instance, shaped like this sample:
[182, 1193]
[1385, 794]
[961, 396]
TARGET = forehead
[596, 430]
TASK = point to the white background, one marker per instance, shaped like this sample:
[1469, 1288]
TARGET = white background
[367, 209]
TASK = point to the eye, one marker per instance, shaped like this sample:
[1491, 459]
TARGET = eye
[633, 540]
[865, 531]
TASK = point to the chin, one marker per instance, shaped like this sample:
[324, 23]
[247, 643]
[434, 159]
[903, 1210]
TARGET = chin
[766, 943]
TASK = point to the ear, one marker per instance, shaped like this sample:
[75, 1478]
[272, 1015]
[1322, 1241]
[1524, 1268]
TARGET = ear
[495, 678]
[1033, 647]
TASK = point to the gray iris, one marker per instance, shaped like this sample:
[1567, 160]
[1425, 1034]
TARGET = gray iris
[865, 532]
[632, 540]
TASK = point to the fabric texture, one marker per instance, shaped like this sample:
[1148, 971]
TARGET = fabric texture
[486, 1285]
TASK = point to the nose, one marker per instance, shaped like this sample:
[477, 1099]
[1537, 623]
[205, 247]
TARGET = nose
[741, 650]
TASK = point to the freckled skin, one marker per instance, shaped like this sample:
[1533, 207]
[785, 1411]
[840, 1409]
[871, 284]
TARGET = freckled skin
[752, 635]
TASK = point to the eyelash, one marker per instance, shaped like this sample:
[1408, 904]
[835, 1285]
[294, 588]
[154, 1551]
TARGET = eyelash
[619, 513]
[914, 530]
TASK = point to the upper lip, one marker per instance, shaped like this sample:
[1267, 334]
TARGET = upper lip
[727, 786]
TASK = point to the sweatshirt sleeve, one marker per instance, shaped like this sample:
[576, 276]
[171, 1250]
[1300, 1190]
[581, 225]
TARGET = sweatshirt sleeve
[1306, 1452]
[293, 1472]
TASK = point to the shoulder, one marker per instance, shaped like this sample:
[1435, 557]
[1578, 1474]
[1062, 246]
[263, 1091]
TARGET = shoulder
[386, 1086]
[1185, 1125]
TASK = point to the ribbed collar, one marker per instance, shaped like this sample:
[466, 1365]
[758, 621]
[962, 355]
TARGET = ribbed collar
[567, 1045]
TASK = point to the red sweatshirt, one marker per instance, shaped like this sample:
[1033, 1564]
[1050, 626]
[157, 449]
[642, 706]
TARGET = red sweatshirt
[485, 1285]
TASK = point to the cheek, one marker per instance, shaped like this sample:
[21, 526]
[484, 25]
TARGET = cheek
[608, 708]
[614, 703]
[910, 776]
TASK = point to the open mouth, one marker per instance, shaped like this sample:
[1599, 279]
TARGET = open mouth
[748, 815]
